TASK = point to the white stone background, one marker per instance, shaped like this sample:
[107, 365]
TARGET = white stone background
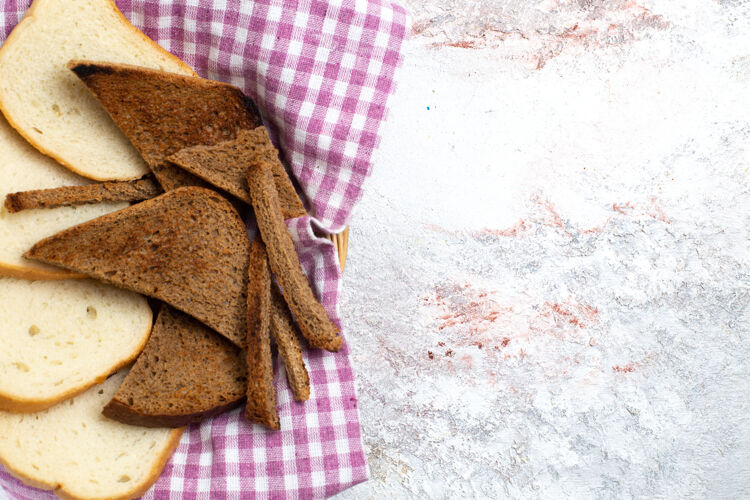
[565, 184]
[548, 280]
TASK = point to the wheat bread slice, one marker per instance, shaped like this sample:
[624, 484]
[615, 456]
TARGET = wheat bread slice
[285, 334]
[162, 113]
[67, 196]
[261, 394]
[185, 374]
[313, 321]
[21, 168]
[225, 165]
[52, 108]
[59, 338]
[75, 451]
[187, 247]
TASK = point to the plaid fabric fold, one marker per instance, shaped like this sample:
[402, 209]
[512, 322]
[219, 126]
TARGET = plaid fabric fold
[321, 74]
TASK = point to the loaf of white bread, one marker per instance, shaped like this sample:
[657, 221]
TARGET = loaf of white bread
[75, 451]
[50, 106]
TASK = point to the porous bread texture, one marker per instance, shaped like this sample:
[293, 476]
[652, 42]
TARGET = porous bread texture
[51, 107]
[261, 395]
[185, 374]
[188, 248]
[285, 334]
[23, 168]
[74, 450]
[59, 338]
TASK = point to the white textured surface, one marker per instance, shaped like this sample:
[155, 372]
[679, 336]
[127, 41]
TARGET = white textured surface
[549, 275]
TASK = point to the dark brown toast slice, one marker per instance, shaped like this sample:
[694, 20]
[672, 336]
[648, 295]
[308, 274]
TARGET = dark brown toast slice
[225, 165]
[285, 334]
[187, 247]
[185, 374]
[313, 321]
[162, 113]
[138, 190]
[261, 395]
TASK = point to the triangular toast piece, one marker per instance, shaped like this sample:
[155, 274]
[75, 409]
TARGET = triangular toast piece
[225, 165]
[67, 196]
[185, 374]
[188, 248]
[162, 113]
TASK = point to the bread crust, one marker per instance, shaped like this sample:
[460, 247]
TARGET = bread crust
[66, 196]
[28, 20]
[312, 318]
[285, 334]
[185, 374]
[31, 405]
[261, 394]
[28, 273]
[138, 490]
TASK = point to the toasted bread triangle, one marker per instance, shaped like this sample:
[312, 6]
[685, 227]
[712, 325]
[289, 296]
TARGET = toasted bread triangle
[185, 374]
[188, 248]
[162, 113]
[225, 165]
[21, 168]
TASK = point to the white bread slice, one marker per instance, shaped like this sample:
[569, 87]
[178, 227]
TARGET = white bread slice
[51, 107]
[22, 168]
[74, 450]
[59, 338]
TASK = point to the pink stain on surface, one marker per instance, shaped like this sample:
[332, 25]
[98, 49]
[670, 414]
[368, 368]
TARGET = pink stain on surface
[472, 310]
[543, 214]
[463, 44]
[602, 27]
[579, 315]
[656, 211]
[650, 209]
[623, 208]
[534, 35]
[469, 317]
[628, 368]
[514, 231]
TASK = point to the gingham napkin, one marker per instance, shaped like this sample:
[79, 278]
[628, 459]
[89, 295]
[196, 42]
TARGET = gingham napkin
[321, 73]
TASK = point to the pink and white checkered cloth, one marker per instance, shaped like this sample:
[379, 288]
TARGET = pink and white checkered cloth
[321, 73]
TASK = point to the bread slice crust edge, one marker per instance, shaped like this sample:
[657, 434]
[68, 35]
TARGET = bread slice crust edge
[31, 405]
[138, 489]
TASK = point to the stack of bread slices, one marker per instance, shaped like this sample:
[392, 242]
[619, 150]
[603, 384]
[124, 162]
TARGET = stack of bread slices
[126, 176]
